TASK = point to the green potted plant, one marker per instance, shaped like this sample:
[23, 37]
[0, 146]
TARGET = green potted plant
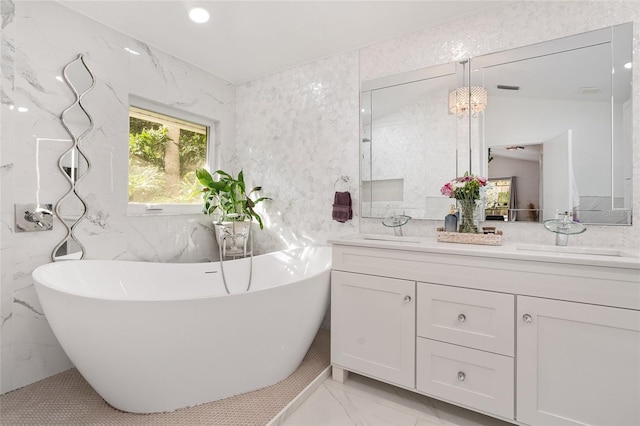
[227, 200]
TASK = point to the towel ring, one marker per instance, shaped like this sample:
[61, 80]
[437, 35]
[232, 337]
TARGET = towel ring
[342, 179]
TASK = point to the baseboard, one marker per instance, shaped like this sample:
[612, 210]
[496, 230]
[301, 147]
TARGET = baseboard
[300, 398]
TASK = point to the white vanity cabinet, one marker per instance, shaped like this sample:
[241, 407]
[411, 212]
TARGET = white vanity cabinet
[374, 320]
[537, 340]
[577, 363]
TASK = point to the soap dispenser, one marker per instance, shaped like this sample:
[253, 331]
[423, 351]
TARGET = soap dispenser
[451, 220]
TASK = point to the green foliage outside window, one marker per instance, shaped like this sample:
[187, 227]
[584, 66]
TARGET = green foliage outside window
[148, 147]
[193, 151]
[149, 181]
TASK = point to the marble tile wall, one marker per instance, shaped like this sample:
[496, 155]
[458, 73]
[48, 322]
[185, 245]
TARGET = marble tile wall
[296, 135]
[38, 39]
[7, 134]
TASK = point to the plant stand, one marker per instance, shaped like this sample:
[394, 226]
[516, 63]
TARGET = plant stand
[234, 238]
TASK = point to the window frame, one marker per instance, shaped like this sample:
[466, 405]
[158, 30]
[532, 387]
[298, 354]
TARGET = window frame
[170, 209]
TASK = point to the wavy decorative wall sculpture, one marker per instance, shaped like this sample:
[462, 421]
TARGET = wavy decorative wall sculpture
[74, 164]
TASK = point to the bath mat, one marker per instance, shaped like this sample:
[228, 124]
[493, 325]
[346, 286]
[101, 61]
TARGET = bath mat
[67, 399]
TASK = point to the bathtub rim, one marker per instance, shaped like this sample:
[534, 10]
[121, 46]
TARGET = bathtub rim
[39, 281]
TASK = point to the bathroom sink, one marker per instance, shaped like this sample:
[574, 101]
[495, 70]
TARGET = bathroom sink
[390, 238]
[594, 251]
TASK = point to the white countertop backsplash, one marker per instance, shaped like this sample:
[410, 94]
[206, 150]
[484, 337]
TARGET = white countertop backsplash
[611, 257]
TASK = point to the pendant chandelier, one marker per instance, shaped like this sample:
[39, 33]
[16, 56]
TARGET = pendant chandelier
[466, 98]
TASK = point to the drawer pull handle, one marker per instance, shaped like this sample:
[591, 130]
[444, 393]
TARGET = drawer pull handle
[407, 299]
[527, 318]
[461, 376]
[462, 318]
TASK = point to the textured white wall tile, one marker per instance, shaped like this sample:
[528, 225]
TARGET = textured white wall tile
[296, 134]
[7, 53]
[39, 39]
[36, 351]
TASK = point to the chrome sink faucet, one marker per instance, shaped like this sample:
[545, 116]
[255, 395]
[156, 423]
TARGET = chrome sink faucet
[564, 221]
[396, 222]
[563, 226]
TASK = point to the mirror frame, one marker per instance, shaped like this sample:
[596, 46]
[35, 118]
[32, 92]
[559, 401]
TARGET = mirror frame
[469, 156]
[454, 70]
[70, 247]
[572, 43]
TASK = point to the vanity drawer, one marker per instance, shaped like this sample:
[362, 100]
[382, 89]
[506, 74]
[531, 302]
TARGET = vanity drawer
[470, 377]
[473, 318]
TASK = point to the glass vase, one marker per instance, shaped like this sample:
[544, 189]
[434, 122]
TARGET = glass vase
[467, 213]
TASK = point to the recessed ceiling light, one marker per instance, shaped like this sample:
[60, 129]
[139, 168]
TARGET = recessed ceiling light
[133, 52]
[628, 65]
[199, 15]
[23, 109]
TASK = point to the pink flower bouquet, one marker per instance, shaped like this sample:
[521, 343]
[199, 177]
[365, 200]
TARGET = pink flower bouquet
[466, 187]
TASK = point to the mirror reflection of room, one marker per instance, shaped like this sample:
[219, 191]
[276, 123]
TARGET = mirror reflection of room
[557, 122]
[558, 125]
[506, 198]
[408, 136]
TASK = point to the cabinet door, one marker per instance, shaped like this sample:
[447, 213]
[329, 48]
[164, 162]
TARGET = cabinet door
[373, 326]
[577, 364]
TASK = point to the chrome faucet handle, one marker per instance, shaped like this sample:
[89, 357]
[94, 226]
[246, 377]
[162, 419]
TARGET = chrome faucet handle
[33, 217]
[397, 221]
[563, 226]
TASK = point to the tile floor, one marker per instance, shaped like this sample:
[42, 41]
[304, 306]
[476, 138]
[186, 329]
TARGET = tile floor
[363, 401]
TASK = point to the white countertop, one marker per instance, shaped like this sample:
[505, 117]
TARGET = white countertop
[570, 255]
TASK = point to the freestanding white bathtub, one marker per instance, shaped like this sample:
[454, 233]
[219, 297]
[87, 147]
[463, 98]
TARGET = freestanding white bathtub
[154, 337]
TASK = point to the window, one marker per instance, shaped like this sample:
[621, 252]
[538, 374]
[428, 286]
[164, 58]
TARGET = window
[164, 152]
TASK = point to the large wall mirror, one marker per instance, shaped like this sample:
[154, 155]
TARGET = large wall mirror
[556, 133]
[558, 124]
[409, 143]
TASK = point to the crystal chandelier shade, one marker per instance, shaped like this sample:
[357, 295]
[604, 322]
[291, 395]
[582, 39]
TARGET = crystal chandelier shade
[466, 98]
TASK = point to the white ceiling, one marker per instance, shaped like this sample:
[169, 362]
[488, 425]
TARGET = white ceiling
[245, 40]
